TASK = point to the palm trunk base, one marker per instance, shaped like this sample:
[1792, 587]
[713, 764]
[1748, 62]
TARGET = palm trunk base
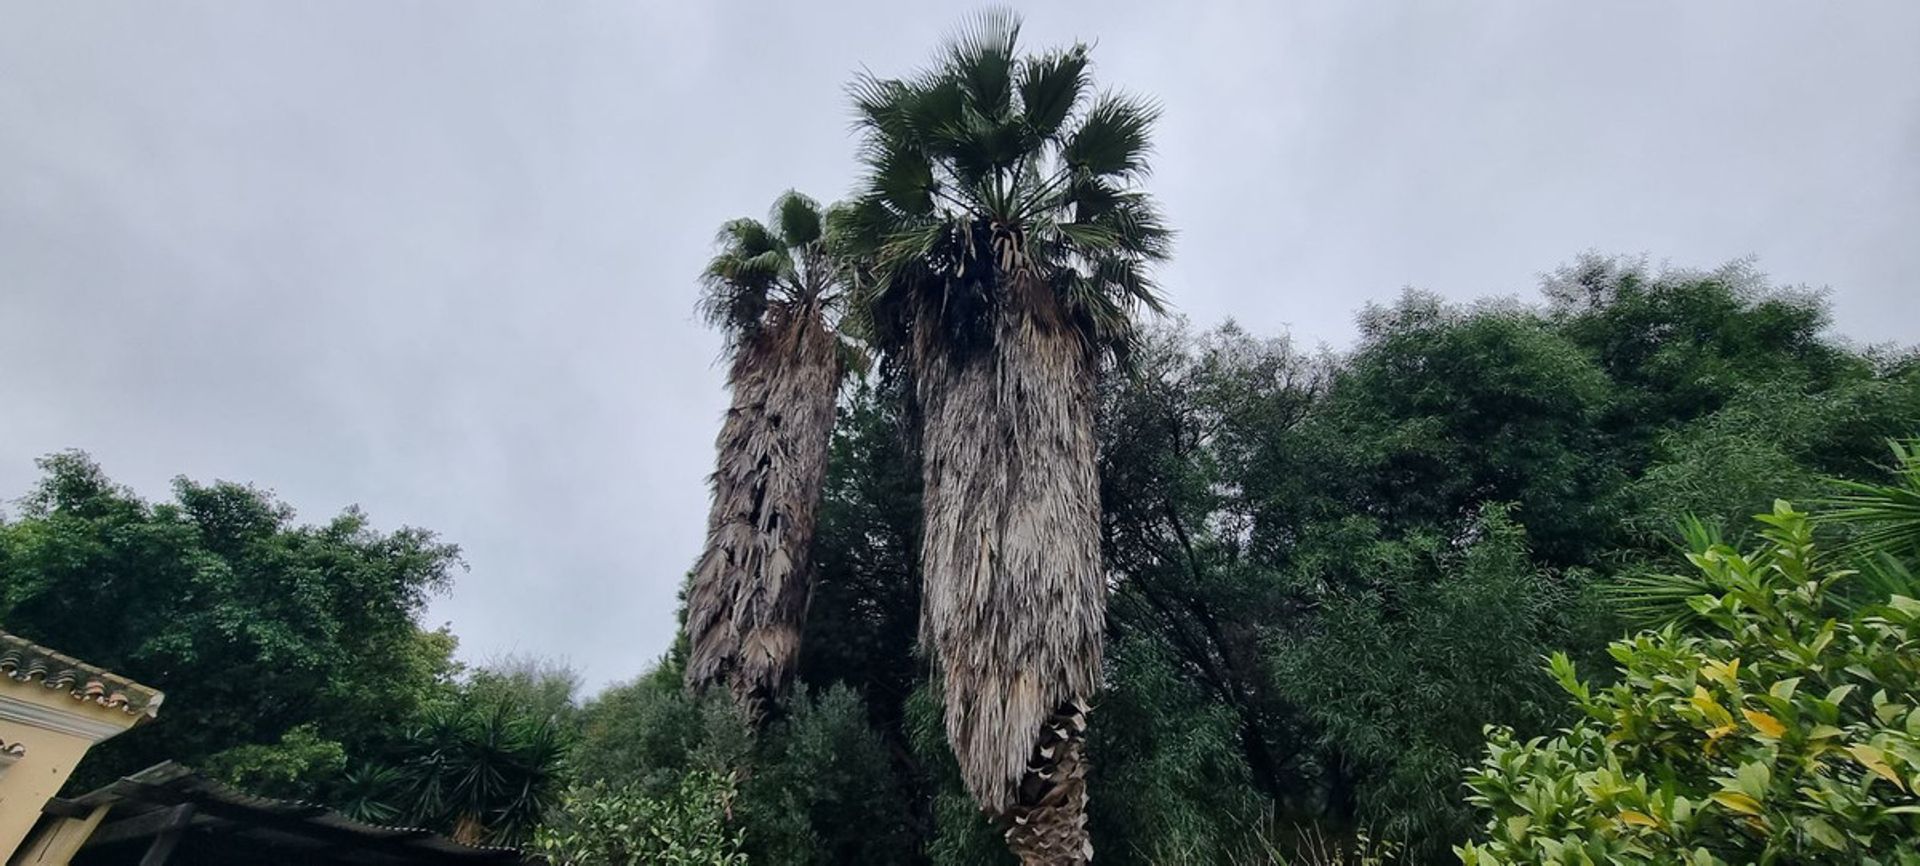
[1048, 827]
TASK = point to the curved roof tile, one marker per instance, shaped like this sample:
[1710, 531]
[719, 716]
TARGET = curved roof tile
[25, 661]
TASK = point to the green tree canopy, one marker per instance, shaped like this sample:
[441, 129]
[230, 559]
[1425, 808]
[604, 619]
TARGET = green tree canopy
[259, 629]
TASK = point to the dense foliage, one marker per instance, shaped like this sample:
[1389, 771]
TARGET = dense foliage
[291, 655]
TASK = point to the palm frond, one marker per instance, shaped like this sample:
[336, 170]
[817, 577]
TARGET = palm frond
[1089, 236]
[987, 141]
[981, 56]
[878, 103]
[968, 145]
[1885, 517]
[1878, 577]
[797, 219]
[1113, 139]
[1050, 86]
[903, 178]
[1651, 600]
[1142, 232]
[736, 283]
[1127, 281]
[771, 271]
[746, 237]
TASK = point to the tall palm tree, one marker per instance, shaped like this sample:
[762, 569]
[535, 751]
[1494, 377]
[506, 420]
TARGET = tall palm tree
[773, 290]
[1005, 247]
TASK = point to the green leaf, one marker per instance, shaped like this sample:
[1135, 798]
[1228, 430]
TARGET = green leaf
[1820, 831]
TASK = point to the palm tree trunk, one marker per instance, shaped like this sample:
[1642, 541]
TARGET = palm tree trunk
[468, 829]
[1015, 602]
[751, 586]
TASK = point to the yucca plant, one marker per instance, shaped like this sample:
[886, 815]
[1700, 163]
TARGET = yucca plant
[774, 291]
[1005, 247]
[483, 775]
[369, 793]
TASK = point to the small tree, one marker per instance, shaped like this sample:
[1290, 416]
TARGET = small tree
[1782, 724]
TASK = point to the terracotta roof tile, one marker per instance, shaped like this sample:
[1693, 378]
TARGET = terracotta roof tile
[26, 662]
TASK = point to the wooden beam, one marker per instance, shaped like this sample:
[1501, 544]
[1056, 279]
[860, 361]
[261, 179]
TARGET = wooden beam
[161, 850]
[60, 808]
[56, 843]
[142, 826]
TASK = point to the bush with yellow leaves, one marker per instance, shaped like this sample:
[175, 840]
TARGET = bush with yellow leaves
[1779, 724]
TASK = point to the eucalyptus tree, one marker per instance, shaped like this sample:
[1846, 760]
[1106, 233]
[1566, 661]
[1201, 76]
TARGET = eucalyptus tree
[1005, 247]
[774, 290]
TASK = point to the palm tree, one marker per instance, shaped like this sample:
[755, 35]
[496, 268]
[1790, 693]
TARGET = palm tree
[772, 290]
[1005, 245]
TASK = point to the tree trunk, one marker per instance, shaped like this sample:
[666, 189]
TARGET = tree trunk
[751, 586]
[468, 829]
[1015, 602]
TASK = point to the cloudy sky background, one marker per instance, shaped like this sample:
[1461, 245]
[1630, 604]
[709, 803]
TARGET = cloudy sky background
[437, 258]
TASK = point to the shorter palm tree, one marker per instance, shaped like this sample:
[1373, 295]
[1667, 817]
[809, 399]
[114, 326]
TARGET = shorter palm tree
[773, 290]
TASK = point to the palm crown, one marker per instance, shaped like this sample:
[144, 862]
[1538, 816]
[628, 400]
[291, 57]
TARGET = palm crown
[994, 179]
[768, 273]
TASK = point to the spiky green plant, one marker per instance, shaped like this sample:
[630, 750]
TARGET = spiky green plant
[481, 774]
[1887, 515]
[1005, 247]
[773, 290]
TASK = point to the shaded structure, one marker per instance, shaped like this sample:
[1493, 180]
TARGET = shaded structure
[170, 814]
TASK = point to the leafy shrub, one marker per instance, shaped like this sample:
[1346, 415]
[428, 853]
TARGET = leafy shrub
[822, 789]
[816, 786]
[1168, 783]
[1776, 727]
[282, 769]
[597, 825]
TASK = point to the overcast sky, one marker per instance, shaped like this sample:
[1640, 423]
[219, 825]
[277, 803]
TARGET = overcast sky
[438, 258]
